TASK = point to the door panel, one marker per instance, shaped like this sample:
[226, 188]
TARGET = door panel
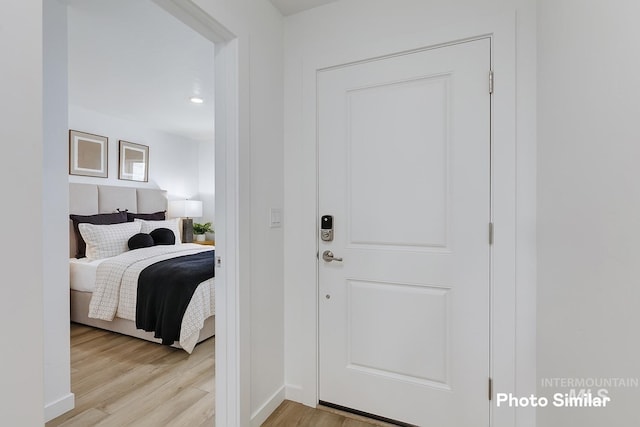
[415, 112]
[419, 312]
[404, 157]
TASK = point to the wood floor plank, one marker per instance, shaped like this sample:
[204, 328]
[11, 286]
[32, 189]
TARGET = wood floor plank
[160, 377]
[87, 418]
[143, 407]
[197, 414]
[120, 380]
[292, 414]
[209, 422]
[176, 407]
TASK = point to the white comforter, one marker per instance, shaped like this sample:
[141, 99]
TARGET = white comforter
[115, 294]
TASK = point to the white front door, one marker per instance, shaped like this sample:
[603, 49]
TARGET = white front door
[404, 168]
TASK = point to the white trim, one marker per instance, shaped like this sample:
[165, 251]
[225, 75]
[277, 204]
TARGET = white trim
[504, 327]
[228, 365]
[197, 19]
[503, 211]
[58, 407]
[262, 413]
[293, 392]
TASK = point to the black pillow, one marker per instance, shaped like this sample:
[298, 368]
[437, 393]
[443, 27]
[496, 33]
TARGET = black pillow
[163, 236]
[156, 216]
[140, 240]
[98, 219]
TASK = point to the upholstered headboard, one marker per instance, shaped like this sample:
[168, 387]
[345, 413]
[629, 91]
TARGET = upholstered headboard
[89, 199]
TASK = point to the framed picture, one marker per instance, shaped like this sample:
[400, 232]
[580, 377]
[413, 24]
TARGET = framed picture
[88, 154]
[134, 162]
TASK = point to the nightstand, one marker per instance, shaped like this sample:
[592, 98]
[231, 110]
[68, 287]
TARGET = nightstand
[205, 242]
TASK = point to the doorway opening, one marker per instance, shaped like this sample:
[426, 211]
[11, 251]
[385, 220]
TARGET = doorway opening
[223, 191]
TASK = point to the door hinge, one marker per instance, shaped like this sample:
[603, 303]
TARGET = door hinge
[491, 233]
[490, 388]
[490, 81]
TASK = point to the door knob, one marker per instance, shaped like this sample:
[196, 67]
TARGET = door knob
[328, 256]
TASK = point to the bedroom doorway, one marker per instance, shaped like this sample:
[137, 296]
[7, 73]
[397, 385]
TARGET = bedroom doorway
[227, 371]
[404, 251]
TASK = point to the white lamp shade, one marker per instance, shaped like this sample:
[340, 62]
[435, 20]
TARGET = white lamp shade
[185, 208]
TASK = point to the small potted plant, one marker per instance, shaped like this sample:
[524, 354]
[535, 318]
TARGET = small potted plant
[199, 230]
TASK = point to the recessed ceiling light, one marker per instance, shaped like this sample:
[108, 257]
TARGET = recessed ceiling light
[196, 100]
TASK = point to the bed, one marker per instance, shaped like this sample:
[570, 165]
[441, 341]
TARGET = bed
[103, 287]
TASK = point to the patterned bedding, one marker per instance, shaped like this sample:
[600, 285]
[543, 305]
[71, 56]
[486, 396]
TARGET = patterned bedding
[116, 289]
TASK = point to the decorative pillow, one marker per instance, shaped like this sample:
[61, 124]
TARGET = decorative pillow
[104, 241]
[171, 224]
[156, 216]
[140, 240]
[163, 236]
[103, 219]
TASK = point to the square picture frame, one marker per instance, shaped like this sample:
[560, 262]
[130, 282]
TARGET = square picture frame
[133, 162]
[88, 154]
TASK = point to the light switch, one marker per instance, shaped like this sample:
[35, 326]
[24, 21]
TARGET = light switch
[275, 218]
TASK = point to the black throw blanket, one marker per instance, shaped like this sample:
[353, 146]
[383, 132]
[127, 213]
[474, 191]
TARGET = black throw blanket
[165, 289]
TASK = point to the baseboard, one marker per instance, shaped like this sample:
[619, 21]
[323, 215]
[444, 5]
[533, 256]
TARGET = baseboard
[260, 415]
[293, 392]
[55, 409]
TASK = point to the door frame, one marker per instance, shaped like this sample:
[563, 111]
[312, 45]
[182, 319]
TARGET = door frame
[228, 302]
[512, 315]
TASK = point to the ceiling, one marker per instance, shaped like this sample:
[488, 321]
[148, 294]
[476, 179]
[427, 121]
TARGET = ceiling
[133, 60]
[289, 7]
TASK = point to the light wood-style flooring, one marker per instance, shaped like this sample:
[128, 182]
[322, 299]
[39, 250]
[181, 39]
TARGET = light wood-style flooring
[292, 414]
[122, 381]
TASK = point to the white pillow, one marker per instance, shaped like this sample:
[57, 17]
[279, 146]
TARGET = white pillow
[104, 241]
[171, 224]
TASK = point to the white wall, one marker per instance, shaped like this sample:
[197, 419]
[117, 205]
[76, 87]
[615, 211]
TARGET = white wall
[173, 160]
[57, 382]
[258, 27]
[206, 180]
[351, 30]
[589, 203]
[21, 181]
